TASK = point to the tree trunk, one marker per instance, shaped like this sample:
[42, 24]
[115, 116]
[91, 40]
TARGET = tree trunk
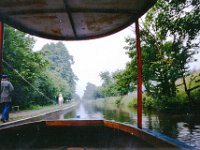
[173, 88]
[187, 91]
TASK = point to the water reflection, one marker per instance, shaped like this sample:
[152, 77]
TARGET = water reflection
[185, 128]
[92, 111]
[84, 112]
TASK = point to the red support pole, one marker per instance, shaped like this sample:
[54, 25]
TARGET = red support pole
[1, 48]
[139, 79]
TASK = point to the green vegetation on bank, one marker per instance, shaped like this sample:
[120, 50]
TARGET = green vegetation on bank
[178, 103]
[119, 101]
[38, 77]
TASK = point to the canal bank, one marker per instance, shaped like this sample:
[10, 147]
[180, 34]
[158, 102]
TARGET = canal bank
[27, 116]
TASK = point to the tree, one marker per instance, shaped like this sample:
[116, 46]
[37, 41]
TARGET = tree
[60, 65]
[90, 92]
[109, 87]
[124, 81]
[168, 45]
[105, 77]
[176, 27]
[23, 65]
[45, 84]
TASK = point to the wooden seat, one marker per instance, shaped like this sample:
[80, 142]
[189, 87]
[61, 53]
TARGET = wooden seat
[15, 108]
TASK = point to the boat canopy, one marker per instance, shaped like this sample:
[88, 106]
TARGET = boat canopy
[72, 19]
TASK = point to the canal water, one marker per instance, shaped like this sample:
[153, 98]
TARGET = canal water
[185, 128]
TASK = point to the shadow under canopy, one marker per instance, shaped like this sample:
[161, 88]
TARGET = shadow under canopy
[72, 19]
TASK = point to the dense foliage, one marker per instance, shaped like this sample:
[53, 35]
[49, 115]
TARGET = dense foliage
[38, 77]
[60, 70]
[169, 40]
[108, 87]
[22, 65]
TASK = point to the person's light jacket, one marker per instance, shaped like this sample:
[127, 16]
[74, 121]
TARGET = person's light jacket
[6, 91]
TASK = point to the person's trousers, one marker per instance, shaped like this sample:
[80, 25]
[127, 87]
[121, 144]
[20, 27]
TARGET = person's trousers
[5, 113]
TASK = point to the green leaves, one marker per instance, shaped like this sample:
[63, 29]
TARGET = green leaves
[60, 62]
[34, 84]
[168, 45]
[18, 54]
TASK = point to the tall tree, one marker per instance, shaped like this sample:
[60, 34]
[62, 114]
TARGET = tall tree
[108, 87]
[90, 92]
[168, 41]
[22, 64]
[60, 64]
[124, 81]
[173, 27]
[106, 77]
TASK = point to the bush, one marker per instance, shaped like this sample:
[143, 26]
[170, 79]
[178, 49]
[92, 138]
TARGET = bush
[177, 103]
[118, 101]
[148, 102]
[35, 107]
[196, 96]
[133, 103]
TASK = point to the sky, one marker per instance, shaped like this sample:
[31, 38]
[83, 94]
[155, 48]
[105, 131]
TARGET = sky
[94, 56]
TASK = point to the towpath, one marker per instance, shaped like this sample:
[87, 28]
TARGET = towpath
[24, 114]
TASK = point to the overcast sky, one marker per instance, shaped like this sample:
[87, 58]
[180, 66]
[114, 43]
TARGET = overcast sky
[94, 56]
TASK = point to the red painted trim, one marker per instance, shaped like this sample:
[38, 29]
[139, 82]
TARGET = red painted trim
[1, 47]
[75, 123]
[139, 80]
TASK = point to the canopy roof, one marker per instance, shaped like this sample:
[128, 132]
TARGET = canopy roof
[72, 19]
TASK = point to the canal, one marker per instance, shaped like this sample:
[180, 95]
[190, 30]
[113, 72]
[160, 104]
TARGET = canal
[185, 128]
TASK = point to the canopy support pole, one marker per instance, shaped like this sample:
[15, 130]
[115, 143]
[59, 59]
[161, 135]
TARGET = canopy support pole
[1, 47]
[139, 79]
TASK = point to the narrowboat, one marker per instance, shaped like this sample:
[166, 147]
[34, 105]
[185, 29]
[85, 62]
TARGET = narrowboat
[78, 20]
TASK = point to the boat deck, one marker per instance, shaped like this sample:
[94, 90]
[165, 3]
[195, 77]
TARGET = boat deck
[79, 135]
[93, 137]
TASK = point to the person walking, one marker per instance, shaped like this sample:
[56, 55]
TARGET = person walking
[60, 99]
[6, 92]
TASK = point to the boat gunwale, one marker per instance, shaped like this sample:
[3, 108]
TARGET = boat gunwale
[152, 137]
